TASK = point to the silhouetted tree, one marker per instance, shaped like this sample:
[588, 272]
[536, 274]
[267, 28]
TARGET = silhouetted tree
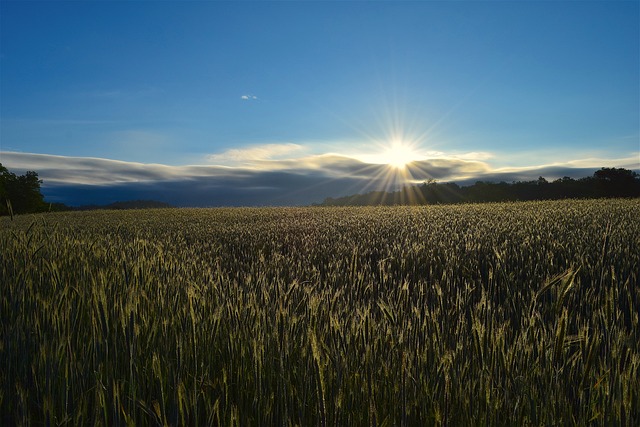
[616, 182]
[20, 194]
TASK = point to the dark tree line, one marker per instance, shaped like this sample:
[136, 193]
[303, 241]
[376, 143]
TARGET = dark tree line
[606, 182]
[20, 194]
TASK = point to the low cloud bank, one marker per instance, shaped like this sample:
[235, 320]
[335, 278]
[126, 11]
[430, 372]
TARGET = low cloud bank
[79, 180]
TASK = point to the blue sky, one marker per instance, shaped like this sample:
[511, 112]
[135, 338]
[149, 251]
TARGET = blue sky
[300, 89]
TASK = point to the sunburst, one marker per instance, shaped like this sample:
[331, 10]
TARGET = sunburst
[399, 154]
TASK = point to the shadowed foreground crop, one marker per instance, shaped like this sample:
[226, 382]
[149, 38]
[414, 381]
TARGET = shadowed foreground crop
[522, 313]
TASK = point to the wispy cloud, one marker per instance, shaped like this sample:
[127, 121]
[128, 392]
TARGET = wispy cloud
[86, 170]
[277, 177]
[632, 162]
[248, 97]
[473, 155]
[256, 153]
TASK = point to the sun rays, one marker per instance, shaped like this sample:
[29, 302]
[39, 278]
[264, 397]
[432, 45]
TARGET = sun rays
[399, 154]
[394, 164]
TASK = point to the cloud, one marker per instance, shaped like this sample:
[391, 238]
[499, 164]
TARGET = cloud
[276, 176]
[248, 97]
[86, 170]
[627, 163]
[253, 154]
[474, 155]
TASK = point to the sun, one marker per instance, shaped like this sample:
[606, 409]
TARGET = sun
[399, 154]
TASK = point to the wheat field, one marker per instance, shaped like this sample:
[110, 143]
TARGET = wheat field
[510, 313]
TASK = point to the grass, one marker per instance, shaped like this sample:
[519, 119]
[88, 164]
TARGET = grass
[511, 313]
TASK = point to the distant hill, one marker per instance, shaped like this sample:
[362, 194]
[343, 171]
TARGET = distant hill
[129, 204]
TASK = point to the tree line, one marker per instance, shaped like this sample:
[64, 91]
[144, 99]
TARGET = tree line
[606, 182]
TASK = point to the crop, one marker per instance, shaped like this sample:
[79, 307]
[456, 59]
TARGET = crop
[510, 313]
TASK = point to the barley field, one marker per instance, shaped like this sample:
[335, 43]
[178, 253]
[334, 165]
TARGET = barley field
[496, 314]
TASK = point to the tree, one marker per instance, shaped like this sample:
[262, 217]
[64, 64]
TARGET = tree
[20, 194]
[617, 182]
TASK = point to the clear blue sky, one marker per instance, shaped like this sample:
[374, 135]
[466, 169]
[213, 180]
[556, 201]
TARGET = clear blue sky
[504, 83]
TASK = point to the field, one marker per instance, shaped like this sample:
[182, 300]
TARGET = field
[513, 313]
